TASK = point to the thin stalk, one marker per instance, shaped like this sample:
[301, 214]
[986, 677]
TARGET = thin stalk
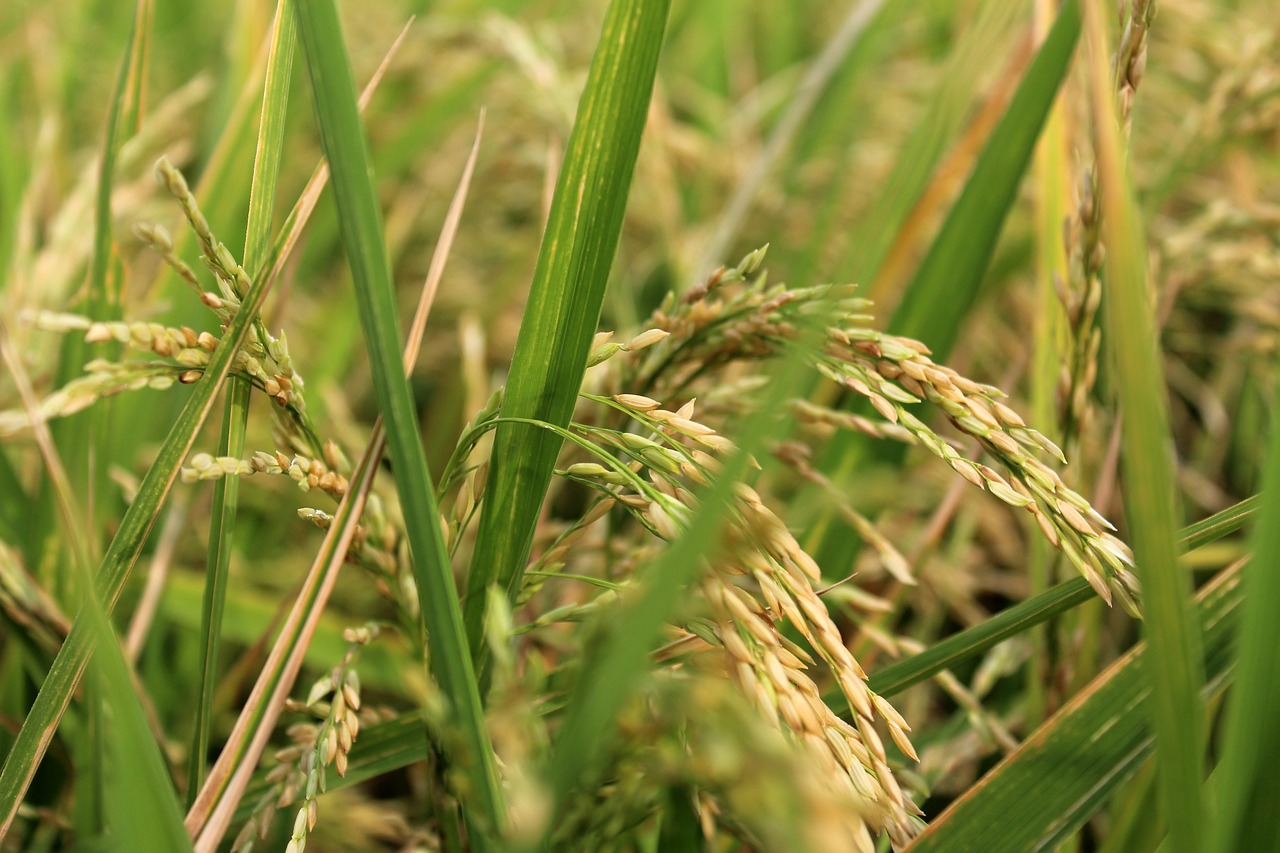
[217, 803]
[266, 171]
[1051, 263]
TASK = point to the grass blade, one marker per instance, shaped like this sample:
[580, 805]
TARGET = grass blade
[346, 149]
[38, 729]
[925, 147]
[141, 804]
[266, 172]
[212, 810]
[1245, 781]
[1044, 792]
[85, 438]
[567, 292]
[1150, 491]
[952, 271]
[1034, 611]
[295, 637]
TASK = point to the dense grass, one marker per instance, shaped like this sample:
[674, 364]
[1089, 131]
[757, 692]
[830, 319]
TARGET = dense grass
[653, 589]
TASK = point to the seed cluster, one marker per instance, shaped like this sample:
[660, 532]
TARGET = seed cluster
[307, 473]
[648, 461]
[264, 359]
[102, 379]
[334, 700]
[893, 373]
[761, 577]
[1081, 291]
[732, 317]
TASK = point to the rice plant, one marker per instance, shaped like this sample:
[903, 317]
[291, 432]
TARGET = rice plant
[820, 427]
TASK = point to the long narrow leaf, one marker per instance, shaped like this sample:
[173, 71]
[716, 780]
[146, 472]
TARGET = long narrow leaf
[259, 713]
[345, 147]
[1150, 491]
[1245, 781]
[924, 149]
[141, 804]
[1043, 793]
[952, 271]
[38, 729]
[216, 803]
[85, 438]
[1036, 610]
[566, 295]
[266, 170]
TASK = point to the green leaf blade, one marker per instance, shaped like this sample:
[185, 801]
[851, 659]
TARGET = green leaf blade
[567, 293]
[1150, 490]
[235, 417]
[334, 97]
[1043, 793]
[1245, 782]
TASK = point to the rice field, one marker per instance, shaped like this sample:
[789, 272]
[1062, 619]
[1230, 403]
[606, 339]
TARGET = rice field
[639, 426]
